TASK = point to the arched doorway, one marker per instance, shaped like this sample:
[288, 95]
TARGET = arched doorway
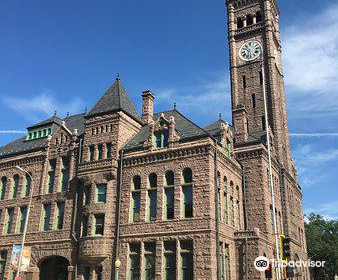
[54, 268]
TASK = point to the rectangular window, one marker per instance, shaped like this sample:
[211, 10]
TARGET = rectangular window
[51, 176]
[60, 215]
[101, 193]
[187, 202]
[170, 260]
[15, 187]
[9, 220]
[46, 217]
[108, 150]
[227, 263]
[238, 215]
[169, 203]
[152, 205]
[100, 151]
[263, 123]
[3, 188]
[86, 195]
[134, 262]
[232, 215]
[3, 259]
[22, 219]
[86, 273]
[27, 187]
[136, 205]
[221, 251]
[161, 139]
[253, 96]
[260, 77]
[85, 226]
[186, 260]
[225, 207]
[244, 81]
[150, 260]
[91, 152]
[99, 224]
[64, 174]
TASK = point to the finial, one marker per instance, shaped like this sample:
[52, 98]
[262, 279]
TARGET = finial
[54, 113]
[67, 115]
[85, 111]
[117, 76]
[175, 107]
[219, 116]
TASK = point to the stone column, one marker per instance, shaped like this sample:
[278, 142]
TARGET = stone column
[70, 272]
[33, 273]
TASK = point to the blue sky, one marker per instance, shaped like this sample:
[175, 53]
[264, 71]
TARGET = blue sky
[62, 55]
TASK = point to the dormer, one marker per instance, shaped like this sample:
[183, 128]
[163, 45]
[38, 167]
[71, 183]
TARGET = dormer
[42, 129]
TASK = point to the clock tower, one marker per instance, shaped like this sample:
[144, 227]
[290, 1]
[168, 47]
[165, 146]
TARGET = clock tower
[255, 58]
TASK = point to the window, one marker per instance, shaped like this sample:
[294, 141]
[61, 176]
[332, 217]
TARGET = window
[91, 152]
[60, 215]
[100, 151]
[186, 260]
[15, 187]
[134, 262]
[51, 176]
[64, 174]
[187, 211]
[229, 148]
[227, 262]
[240, 23]
[244, 81]
[85, 226]
[108, 150]
[263, 123]
[169, 203]
[225, 200]
[170, 260]
[101, 193]
[27, 187]
[271, 219]
[22, 219]
[3, 188]
[259, 17]
[249, 20]
[9, 220]
[87, 195]
[150, 260]
[260, 77]
[253, 97]
[99, 224]
[161, 139]
[232, 206]
[136, 199]
[169, 178]
[46, 217]
[152, 198]
[3, 259]
[86, 273]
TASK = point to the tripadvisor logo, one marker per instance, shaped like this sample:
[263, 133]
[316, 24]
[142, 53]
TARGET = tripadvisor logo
[261, 263]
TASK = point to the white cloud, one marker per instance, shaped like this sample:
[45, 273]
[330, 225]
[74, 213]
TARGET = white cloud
[328, 210]
[311, 64]
[42, 105]
[313, 135]
[12, 132]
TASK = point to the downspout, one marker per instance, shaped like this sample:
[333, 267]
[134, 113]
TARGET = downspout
[219, 275]
[117, 250]
[245, 222]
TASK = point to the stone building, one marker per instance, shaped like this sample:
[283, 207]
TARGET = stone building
[165, 197]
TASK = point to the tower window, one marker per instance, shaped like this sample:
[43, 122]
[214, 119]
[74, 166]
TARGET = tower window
[260, 78]
[259, 17]
[161, 139]
[240, 23]
[263, 123]
[249, 20]
[253, 100]
[244, 81]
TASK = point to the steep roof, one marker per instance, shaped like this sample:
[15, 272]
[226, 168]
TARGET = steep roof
[185, 128]
[115, 99]
[22, 145]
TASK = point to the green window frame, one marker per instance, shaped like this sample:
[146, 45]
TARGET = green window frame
[169, 210]
[152, 198]
[85, 222]
[51, 176]
[161, 139]
[60, 208]
[225, 200]
[15, 187]
[186, 260]
[108, 150]
[136, 199]
[99, 151]
[87, 192]
[91, 152]
[170, 260]
[134, 272]
[101, 193]
[9, 220]
[45, 226]
[227, 263]
[22, 219]
[64, 175]
[232, 215]
[169, 178]
[98, 229]
[27, 186]
[149, 260]
[187, 207]
[3, 188]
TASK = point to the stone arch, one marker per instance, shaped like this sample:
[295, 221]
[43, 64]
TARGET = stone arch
[38, 256]
[54, 268]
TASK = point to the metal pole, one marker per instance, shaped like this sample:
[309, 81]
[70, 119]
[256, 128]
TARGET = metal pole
[279, 273]
[27, 217]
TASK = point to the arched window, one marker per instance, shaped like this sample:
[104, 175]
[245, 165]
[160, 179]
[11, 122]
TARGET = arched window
[232, 206]
[152, 198]
[44, 132]
[136, 199]
[27, 187]
[34, 134]
[225, 199]
[169, 178]
[49, 131]
[152, 180]
[187, 176]
[259, 17]
[240, 23]
[249, 20]
[136, 183]
[15, 186]
[3, 188]
[39, 133]
[161, 139]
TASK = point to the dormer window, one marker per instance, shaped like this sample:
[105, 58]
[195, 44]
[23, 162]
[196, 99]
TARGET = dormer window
[38, 133]
[161, 139]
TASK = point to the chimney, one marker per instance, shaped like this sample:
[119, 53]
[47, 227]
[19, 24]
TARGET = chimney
[147, 106]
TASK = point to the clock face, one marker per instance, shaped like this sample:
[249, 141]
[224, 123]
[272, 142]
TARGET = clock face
[250, 50]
